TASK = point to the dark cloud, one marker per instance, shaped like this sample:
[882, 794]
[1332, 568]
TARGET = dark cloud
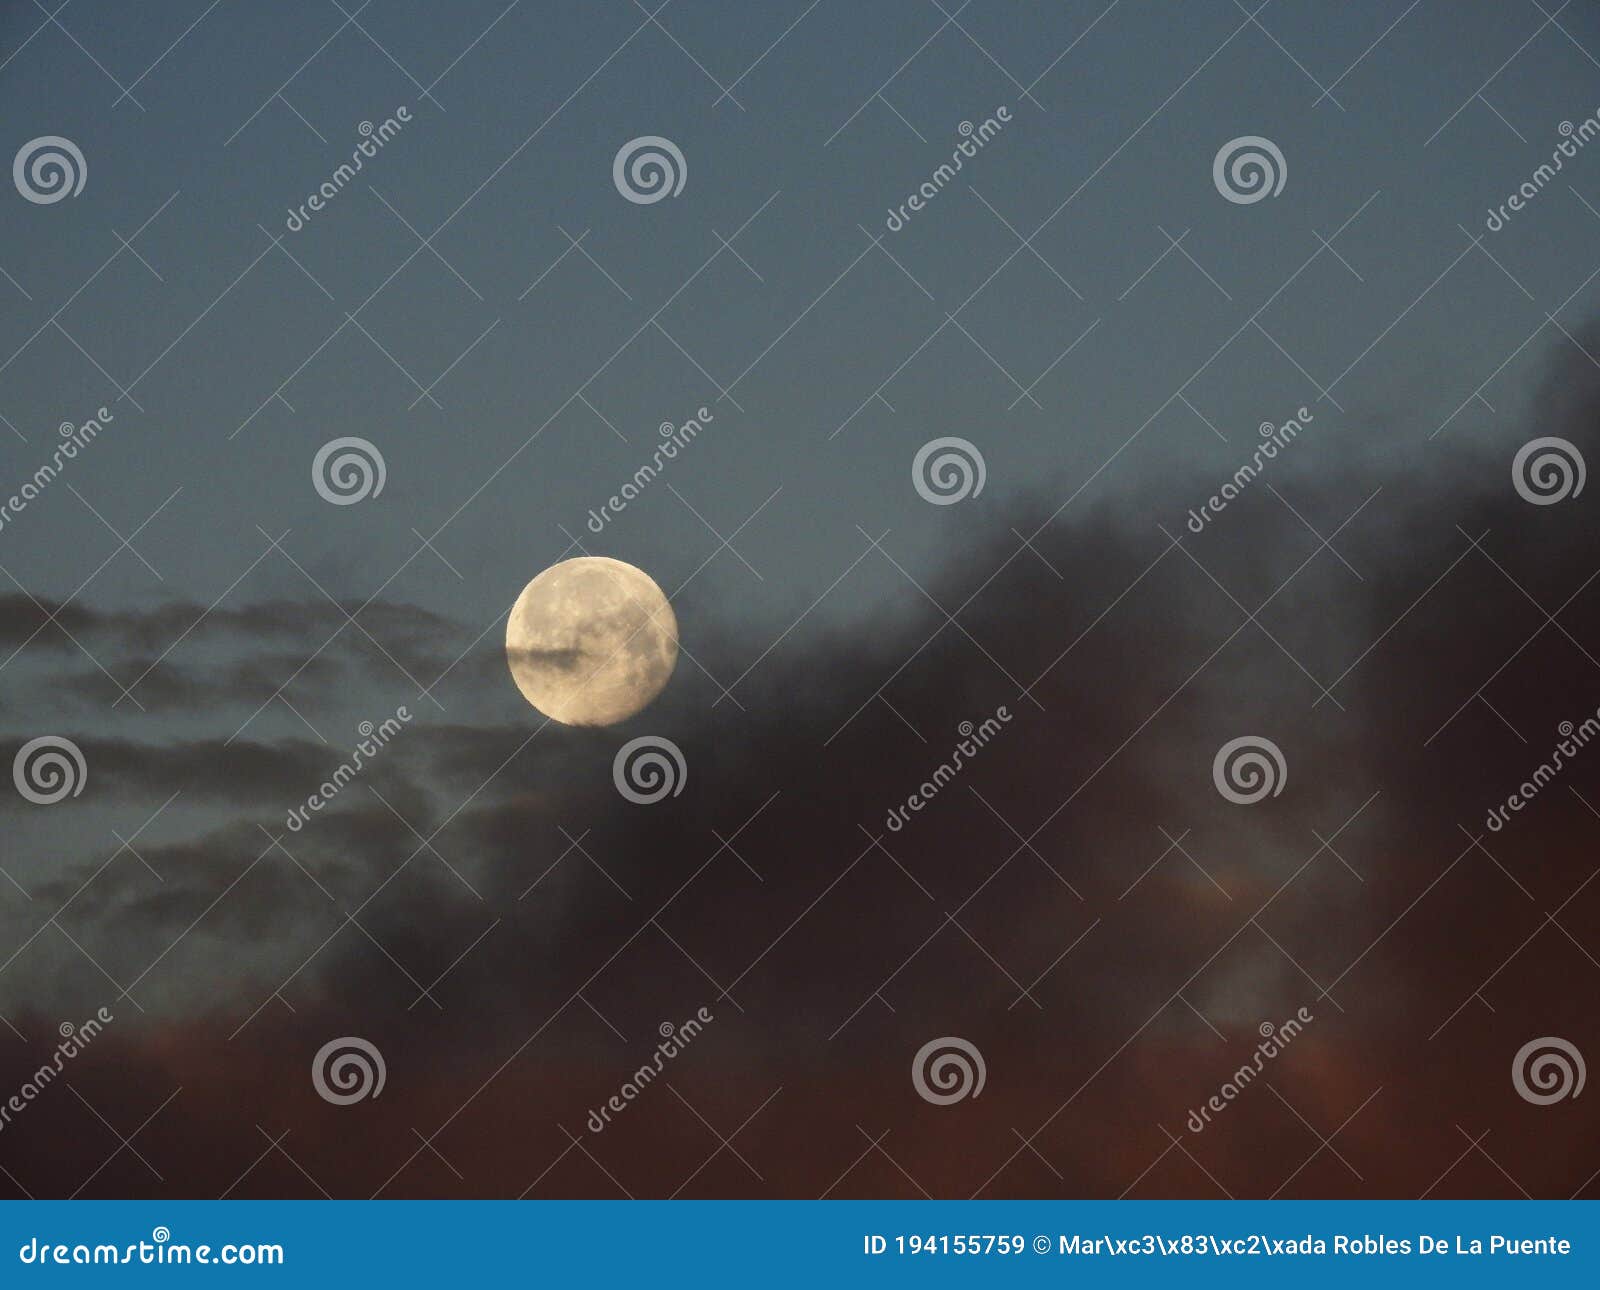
[244, 772]
[412, 633]
[562, 660]
[165, 686]
[1079, 901]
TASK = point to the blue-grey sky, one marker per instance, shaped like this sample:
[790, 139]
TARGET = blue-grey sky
[1080, 303]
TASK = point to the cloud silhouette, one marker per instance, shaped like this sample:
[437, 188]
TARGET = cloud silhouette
[1078, 901]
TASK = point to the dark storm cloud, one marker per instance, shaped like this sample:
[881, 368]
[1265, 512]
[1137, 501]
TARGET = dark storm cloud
[172, 687]
[561, 660]
[181, 660]
[244, 772]
[772, 890]
[26, 619]
[480, 901]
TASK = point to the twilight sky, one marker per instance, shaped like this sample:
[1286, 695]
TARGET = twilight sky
[1085, 308]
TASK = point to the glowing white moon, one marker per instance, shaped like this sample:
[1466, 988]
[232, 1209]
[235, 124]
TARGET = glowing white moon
[591, 641]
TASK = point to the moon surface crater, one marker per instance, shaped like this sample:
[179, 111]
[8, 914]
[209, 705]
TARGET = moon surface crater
[591, 641]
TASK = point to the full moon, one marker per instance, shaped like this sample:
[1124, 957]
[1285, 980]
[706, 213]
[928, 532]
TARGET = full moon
[591, 641]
